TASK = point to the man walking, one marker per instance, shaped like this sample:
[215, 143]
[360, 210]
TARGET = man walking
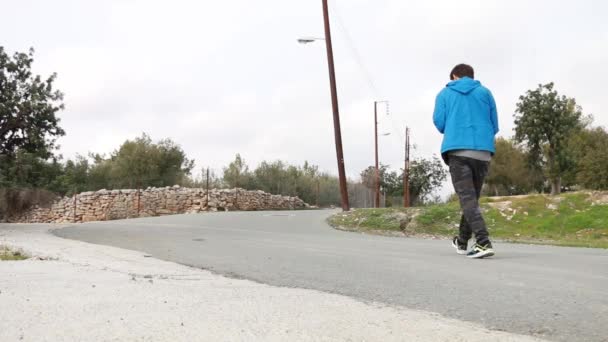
[465, 113]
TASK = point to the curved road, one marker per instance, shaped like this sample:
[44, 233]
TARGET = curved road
[556, 293]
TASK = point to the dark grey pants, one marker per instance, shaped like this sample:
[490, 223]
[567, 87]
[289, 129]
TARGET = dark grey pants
[467, 177]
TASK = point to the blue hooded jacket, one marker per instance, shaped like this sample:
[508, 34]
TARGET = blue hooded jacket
[465, 112]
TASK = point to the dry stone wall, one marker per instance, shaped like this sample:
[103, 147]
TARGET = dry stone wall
[106, 205]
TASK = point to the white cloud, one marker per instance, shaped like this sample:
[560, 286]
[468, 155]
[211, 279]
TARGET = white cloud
[228, 77]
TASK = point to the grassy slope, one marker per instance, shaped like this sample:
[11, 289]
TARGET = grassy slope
[568, 220]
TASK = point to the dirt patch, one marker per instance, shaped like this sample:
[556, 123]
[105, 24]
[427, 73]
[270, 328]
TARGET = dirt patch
[502, 206]
[598, 198]
[509, 198]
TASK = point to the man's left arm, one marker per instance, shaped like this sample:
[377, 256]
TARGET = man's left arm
[493, 112]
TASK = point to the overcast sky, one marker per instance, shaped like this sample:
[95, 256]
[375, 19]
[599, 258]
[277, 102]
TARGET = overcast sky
[227, 77]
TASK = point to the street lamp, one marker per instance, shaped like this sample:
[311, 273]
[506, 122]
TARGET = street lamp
[306, 40]
[334, 104]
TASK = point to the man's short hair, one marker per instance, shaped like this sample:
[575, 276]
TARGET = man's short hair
[462, 70]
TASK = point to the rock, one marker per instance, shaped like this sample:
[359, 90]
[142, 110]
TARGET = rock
[89, 218]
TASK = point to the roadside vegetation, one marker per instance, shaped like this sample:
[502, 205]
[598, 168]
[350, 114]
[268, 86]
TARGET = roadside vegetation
[572, 219]
[6, 254]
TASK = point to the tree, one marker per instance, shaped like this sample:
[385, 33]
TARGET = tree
[215, 182]
[544, 122]
[280, 178]
[393, 183]
[271, 177]
[592, 158]
[328, 190]
[74, 177]
[100, 172]
[425, 176]
[509, 173]
[28, 108]
[368, 177]
[140, 163]
[173, 164]
[23, 179]
[28, 125]
[309, 184]
[28, 170]
[237, 173]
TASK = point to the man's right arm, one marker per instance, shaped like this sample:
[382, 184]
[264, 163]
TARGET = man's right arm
[439, 113]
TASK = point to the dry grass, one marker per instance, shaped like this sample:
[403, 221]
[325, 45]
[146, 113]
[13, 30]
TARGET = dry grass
[15, 201]
[7, 254]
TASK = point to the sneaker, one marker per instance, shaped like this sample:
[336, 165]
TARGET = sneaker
[461, 248]
[481, 251]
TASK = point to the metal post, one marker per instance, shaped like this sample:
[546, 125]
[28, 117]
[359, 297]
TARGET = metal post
[236, 199]
[336, 113]
[74, 219]
[318, 192]
[207, 189]
[236, 189]
[377, 173]
[406, 170]
[138, 202]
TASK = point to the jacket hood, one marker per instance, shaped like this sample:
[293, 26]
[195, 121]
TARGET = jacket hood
[464, 85]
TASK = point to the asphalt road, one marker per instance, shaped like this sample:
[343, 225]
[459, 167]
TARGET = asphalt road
[552, 292]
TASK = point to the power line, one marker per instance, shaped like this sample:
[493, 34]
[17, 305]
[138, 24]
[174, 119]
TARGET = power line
[397, 133]
[355, 52]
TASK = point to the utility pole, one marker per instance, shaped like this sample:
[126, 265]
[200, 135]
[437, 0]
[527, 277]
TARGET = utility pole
[377, 175]
[336, 113]
[406, 170]
[377, 171]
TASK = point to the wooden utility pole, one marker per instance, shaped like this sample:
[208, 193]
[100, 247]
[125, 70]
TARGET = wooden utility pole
[406, 170]
[377, 173]
[336, 112]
